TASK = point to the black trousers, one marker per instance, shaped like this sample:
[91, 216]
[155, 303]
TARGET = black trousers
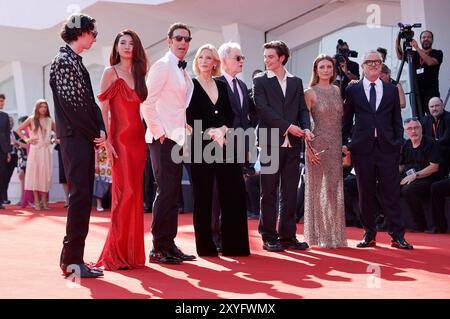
[3, 175]
[165, 207]
[233, 210]
[287, 177]
[149, 181]
[415, 194]
[381, 167]
[10, 166]
[439, 191]
[79, 165]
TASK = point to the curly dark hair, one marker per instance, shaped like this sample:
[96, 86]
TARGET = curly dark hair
[75, 25]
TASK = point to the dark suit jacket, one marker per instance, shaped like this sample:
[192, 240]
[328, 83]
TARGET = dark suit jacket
[241, 114]
[5, 142]
[386, 119]
[277, 111]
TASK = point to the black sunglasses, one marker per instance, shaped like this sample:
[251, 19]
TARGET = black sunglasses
[94, 34]
[410, 119]
[179, 38]
[239, 58]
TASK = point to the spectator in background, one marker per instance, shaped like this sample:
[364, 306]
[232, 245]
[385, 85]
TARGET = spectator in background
[346, 70]
[385, 76]
[39, 164]
[419, 165]
[437, 126]
[26, 196]
[383, 53]
[5, 145]
[427, 62]
[12, 163]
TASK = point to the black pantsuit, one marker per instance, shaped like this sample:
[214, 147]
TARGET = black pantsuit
[233, 217]
[230, 182]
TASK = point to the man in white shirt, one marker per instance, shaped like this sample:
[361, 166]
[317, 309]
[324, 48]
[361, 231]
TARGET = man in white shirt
[169, 93]
[282, 112]
[376, 139]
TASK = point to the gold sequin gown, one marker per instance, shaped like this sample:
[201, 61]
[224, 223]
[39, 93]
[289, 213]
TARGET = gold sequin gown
[324, 221]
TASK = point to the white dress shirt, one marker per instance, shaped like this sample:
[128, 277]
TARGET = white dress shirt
[230, 79]
[378, 90]
[283, 84]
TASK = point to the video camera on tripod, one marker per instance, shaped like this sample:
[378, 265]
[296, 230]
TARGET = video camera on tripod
[407, 33]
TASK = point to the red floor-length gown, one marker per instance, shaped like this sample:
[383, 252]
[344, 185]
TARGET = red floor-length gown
[124, 247]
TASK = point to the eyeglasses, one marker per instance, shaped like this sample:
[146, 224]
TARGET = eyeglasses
[179, 38]
[94, 34]
[239, 58]
[413, 128]
[409, 119]
[372, 62]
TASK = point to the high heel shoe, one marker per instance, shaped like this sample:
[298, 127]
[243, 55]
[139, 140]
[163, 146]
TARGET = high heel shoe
[37, 206]
[45, 206]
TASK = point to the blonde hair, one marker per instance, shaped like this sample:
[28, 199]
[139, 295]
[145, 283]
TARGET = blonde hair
[315, 76]
[216, 70]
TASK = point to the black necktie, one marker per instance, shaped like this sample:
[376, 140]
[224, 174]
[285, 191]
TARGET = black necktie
[373, 97]
[236, 93]
[182, 64]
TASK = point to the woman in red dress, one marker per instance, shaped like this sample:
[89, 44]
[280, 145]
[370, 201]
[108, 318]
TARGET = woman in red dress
[123, 89]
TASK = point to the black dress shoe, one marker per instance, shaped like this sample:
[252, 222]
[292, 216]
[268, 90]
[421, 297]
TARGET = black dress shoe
[401, 243]
[368, 241]
[273, 246]
[147, 209]
[7, 202]
[178, 253]
[164, 257]
[81, 271]
[294, 244]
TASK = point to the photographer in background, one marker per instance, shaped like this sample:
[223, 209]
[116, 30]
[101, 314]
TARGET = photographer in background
[346, 70]
[427, 62]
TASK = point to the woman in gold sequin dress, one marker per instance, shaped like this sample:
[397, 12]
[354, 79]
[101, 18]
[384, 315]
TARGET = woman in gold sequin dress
[324, 196]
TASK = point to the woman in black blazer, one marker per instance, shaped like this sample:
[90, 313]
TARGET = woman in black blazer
[210, 105]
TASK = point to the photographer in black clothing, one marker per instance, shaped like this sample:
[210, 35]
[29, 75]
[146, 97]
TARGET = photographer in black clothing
[346, 70]
[427, 62]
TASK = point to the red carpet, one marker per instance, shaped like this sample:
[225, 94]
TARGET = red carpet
[31, 242]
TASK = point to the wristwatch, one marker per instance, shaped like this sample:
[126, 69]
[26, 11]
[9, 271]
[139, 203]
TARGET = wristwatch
[417, 175]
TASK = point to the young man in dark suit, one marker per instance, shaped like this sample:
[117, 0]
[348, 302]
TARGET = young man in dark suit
[5, 145]
[79, 126]
[377, 136]
[283, 115]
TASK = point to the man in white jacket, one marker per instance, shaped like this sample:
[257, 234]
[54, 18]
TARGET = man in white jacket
[169, 93]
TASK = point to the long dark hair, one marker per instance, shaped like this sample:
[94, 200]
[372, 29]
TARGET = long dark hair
[37, 115]
[139, 66]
